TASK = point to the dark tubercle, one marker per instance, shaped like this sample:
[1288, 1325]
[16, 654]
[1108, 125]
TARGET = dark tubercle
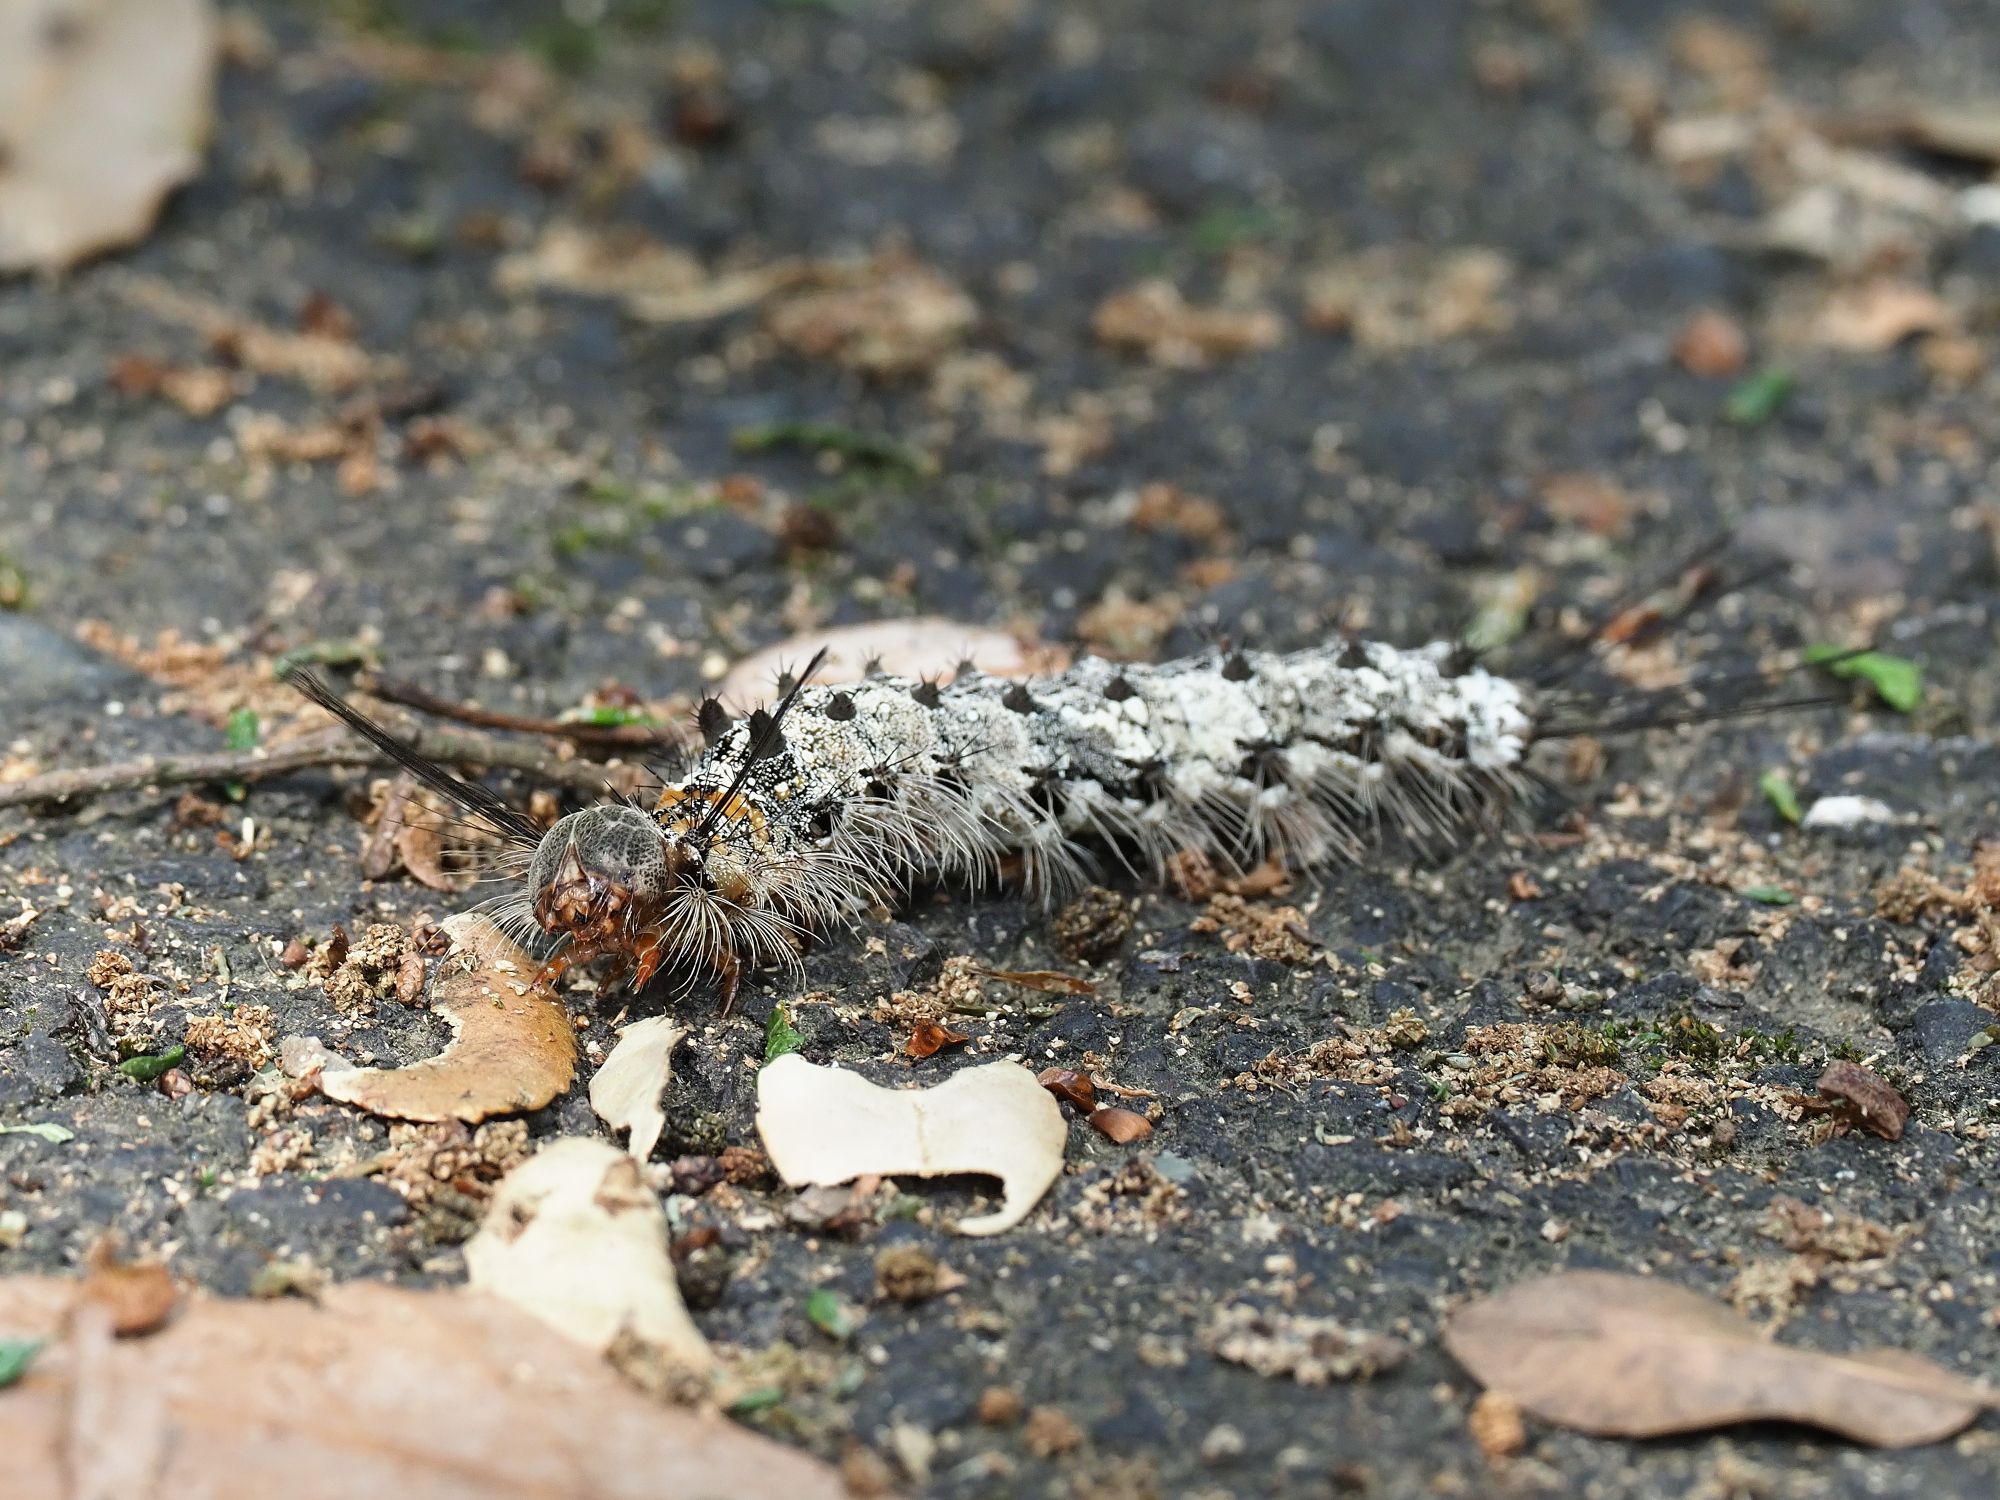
[1236, 668]
[1018, 698]
[713, 720]
[766, 739]
[839, 708]
[1118, 689]
[926, 694]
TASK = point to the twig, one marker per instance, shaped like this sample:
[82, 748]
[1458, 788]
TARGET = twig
[325, 748]
[623, 736]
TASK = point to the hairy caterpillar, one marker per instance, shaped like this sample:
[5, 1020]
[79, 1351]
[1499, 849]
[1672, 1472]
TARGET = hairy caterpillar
[795, 819]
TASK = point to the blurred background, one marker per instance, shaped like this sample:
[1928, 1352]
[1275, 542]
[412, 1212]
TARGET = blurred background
[598, 343]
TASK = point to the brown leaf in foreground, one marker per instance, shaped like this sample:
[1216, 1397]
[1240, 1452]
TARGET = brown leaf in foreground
[1862, 1094]
[931, 1038]
[103, 113]
[1628, 1356]
[1121, 1125]
[374, 1390]
[512, 1047]
[136, 1298]
[1070, 1086]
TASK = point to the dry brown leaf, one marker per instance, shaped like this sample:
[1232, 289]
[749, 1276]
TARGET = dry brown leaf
[1879, 315]
[1629, 1356]
[576, 1238]
[1874, 1105]
[1712, 344]
[1070, 1085]
[626, 1090]
[928, 646]
[419, 839]
[1152, 319]
[1045, 981]
[103, 111]
[512, 1047]
[930, 1038]
[825, 1125]
[371, 1390]
[1121, 1125]
[889, 315]
[135, 1298]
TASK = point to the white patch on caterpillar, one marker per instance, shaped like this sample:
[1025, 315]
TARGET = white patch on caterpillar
[886, 783]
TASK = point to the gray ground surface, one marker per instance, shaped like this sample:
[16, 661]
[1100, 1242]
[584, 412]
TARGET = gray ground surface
[530, 507]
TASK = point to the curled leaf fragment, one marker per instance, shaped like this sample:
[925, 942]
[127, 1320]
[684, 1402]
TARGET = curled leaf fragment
[575, 1237]
[826, 1125]
[626, 1090]
[512, 1048]
[1865, 1097]
[931, 1038]
[1070, 1086]
[1123, 1126]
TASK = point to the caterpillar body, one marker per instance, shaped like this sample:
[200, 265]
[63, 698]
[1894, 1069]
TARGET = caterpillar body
[794, 820]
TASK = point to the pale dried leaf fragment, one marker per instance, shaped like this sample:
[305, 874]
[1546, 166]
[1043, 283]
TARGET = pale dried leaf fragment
[626, 1090]
[1629, 1356]
[1154, 320]
[927, 646]
[576, 1238]
[512, 1047]
[656, 282]
[1878, 315]
[826, 1125]
[104, 108]
[887, 316]
[371, 1390]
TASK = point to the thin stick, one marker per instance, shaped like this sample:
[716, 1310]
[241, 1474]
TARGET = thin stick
[624, 736]
[322, 749]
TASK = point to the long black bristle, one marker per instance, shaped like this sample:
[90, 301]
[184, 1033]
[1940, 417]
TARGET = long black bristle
[1571, 655]
[763, 741]
[477, 800]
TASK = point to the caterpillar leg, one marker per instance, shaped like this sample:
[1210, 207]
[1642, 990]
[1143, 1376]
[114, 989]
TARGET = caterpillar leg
[556, 965]
[647, 955]
[729, 973]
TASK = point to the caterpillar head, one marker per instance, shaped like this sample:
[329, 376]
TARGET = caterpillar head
[600, 872]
